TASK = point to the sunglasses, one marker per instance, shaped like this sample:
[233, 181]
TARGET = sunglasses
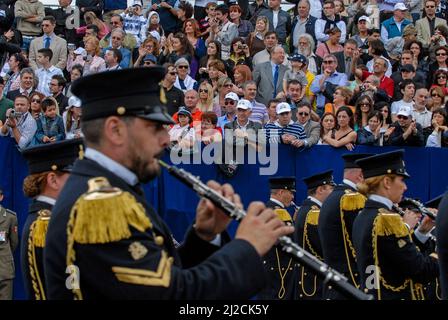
[436, 95]
[303, 114]
[402, 117]
[203, 90]
[35, 100]
[172, 73]
[440, 54]
[441, 77]
[328, 61]
[229, 85]
[230, 102]
[364, 104]
[182, 67]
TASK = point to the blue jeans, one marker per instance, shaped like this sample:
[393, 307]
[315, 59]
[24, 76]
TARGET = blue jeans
[26, 43]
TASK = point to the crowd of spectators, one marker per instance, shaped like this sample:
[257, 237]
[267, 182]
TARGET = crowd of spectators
[341, 73]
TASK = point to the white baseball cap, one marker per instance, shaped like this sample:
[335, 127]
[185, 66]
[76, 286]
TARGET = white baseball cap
[282, 107]
[364, 18]
[400, 6]
[404, 111]
[232, 95]
[155, 35]
[74, 102]
[81, 51]
[244, 104]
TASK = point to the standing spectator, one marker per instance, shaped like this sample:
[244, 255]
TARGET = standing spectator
[394, 26]
[20, 126]
[254, 10]
[167, 11]
[330, 46]
[5, 103]
[255, 40]
[72, 119]
[49, 41]
[191, 30]
[312, 128]
[324, 84]
[29, 15]
[406, 131]
[57, 85]
[279, 20]
[200, 8]
[204, 23]
[329, 21]
[174, 96]
[302, 23]
[259, 113]
[117, 37]
[8, 243]
[426, 26]
[222, 30]
[268, 76]
[50, 126]
[46, 71]
[362, 36]
[116, 21]
[134, 22]
[153, 24]
[344, 136]
[244, 26]
[60, 14]
[184, 12]
[96, 6]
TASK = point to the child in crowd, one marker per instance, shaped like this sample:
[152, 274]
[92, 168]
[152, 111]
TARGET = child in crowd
[50, 126]
[296, 72]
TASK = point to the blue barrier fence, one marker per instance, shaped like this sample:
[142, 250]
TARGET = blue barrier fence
[176, 203]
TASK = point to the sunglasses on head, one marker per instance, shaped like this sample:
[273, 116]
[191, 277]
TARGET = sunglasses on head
[402, 117]
[231, 102]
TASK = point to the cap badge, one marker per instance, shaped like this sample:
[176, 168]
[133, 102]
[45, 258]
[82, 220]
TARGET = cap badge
[54, 167]
[121, 110]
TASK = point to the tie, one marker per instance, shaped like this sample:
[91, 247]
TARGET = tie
[275, 81]
[47, 42]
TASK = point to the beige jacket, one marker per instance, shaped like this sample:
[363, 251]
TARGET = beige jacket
[25, 9]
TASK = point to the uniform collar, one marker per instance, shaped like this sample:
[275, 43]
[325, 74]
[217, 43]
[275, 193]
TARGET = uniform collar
[121, 171]
[46, 199]
[277, 202]
[381, 199]
[350, 184]
[315, 201]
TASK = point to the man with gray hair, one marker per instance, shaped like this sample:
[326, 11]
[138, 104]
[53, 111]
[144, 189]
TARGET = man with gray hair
[268, 76]
[303, 23]
[117, 37]
[305, 46]
[259, 112]
[27, 84]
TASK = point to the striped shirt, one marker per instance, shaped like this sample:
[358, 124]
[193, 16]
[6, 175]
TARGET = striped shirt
[274, 131]
[27, 127]
[259, 112]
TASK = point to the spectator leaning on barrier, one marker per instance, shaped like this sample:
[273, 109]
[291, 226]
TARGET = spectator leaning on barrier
[20, 124]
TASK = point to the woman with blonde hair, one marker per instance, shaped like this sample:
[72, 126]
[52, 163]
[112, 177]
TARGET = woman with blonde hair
[149, 46]
[341, 97]
[205, 102]
[89, 58]
[382, 237]
[91, 18]
[255, 40]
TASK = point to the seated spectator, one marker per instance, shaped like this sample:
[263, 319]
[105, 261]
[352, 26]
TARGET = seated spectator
[344, 134]
[284, 130]
[272, 111]
[205, 103]
[213, 54]
[327, 126]
[406, 132]
[241, 74]
[407, 88]
[239, 54]
[134, 22]
[50, 126]
[295, 96]
[259, 112]
[16, 63]
[19, 125]
[216, 71]
[191, 104]
[204, 23]
[440, 80]
[331, 45]
[371, 134]
[75, 73]
[255, 40]
[72, 118]
[153, 24]
[117, 37]
[437, 98]
[210, 133]
[149, 46]
[305, 46]
[113, 57]
[312, 128]
[91, 60]
[341, 98]
[27, 84]
[116, 21]
[224, 86]
[177, 46]
[439, 125]
[57, 85]
[46, 71]
[184, 81]
[371, 87]
[36, 99]
[91, 18]
[363, 109]
[386, 119]
[174, 96]
[182, 135]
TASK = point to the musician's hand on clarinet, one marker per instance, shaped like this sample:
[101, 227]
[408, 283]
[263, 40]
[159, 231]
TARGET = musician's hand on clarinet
[411, 218]
[211, 221]
[427, 224]
[261, 227]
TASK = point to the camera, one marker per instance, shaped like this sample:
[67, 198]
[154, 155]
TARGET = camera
[362, 87]
[15, 114]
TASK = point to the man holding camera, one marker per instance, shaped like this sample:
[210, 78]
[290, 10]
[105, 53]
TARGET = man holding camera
[426, 25]
[134, 22]
[20, 124]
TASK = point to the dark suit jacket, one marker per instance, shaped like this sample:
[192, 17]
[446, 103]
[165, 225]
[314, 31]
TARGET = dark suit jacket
[233, 272]
[11, 95]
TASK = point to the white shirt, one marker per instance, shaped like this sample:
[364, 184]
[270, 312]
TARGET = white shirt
[275, 18]
[46, 199]
[422, 117]
[387, 202]
[315, 200]
[277, 202]
[395, 107]
[350, 183]
[45, 76]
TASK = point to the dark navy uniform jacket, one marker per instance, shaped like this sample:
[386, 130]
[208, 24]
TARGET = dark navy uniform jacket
[335, 253]
[309, 285]
[281, 269]
[403, 266]
[442, 244]
[36, 291]
[109, 271]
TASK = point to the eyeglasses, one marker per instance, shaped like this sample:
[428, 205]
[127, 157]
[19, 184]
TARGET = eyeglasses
[182, 67]
[402, 117]
[172, 73]
[440, 54]
[436, 95]
[35, 100]
[203, 90]
[230, 102]
[328, 61]
[303, 114]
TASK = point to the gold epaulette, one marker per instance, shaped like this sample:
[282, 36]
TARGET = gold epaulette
[312, 216]
[105, 214]
[352, 201]
[39, 232]
[388, 223]
[283, 215]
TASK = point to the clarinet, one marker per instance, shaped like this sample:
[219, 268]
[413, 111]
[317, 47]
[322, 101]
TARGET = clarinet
[329, 275]
[422, 208]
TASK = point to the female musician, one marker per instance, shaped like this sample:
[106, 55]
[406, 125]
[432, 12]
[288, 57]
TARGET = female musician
[389, 263]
